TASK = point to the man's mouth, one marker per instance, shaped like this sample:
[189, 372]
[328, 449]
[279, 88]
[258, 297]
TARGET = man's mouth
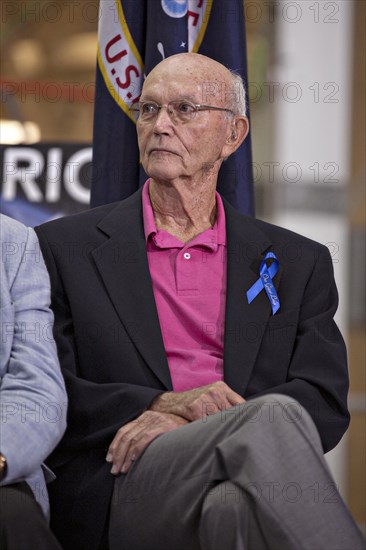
[161, 150]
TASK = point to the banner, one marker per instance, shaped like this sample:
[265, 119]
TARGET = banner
[134, 36]
[44, 181]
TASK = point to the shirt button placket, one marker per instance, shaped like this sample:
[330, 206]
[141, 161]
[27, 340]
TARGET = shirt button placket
[185, 274]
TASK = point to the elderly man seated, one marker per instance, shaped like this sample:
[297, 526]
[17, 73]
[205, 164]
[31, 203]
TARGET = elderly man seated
[198, 414]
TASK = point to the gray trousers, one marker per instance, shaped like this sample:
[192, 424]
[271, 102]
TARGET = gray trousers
[249, 478]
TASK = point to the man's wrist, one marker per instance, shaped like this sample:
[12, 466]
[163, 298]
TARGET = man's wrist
[3, 466]
[160, 403]
[154, 405]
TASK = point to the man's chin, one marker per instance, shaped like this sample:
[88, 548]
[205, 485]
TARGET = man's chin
[162, 172]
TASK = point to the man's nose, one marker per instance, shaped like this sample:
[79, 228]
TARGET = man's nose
[163, 121]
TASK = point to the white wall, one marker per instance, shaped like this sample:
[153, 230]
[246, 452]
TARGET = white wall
[312, 110]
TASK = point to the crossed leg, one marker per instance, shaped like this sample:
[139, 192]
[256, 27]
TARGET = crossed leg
[250, 478]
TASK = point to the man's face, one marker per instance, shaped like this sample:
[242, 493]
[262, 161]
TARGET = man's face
[171, 150]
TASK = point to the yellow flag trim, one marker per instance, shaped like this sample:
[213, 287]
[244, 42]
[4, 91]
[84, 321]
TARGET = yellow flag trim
[203, 28]
[136, 53]
[111, 88]
[126, 32]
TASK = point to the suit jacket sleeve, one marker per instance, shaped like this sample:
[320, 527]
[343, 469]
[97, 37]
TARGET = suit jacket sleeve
[32, 392]
[97, 409]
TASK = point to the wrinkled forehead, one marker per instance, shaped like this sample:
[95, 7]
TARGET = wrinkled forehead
[200, 86]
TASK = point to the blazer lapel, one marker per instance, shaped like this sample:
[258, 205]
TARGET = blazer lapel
[244, 323]
[123, 266]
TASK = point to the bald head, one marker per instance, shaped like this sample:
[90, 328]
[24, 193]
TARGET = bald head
[217, 84]
[188, 119]
[194, 65]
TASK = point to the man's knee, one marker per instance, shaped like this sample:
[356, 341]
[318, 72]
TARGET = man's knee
[285, 413]
[276, 410]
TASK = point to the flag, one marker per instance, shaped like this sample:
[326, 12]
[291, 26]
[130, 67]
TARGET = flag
[134, 36]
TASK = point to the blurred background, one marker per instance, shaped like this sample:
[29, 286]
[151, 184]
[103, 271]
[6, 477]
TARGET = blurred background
[307, 97]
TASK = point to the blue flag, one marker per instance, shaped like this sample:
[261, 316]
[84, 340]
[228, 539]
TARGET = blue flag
[134, 36]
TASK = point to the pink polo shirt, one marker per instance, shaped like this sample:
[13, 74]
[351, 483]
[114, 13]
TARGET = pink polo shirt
[189, 284]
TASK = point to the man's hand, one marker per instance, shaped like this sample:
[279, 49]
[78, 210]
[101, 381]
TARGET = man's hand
[198, 403]
[132, 439]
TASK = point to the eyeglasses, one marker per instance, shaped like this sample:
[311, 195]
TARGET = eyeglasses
[179, 110]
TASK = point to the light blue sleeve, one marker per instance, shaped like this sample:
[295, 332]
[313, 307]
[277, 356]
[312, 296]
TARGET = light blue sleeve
[32, 393]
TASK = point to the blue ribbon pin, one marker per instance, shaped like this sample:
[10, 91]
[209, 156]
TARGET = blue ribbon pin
[265, 282]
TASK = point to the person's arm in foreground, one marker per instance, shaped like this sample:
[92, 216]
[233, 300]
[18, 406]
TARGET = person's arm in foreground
[32, 392]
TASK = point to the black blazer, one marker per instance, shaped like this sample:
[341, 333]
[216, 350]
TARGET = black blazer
[112, 353]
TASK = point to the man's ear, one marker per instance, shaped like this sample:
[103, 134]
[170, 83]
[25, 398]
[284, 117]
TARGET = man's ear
[237, 133]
